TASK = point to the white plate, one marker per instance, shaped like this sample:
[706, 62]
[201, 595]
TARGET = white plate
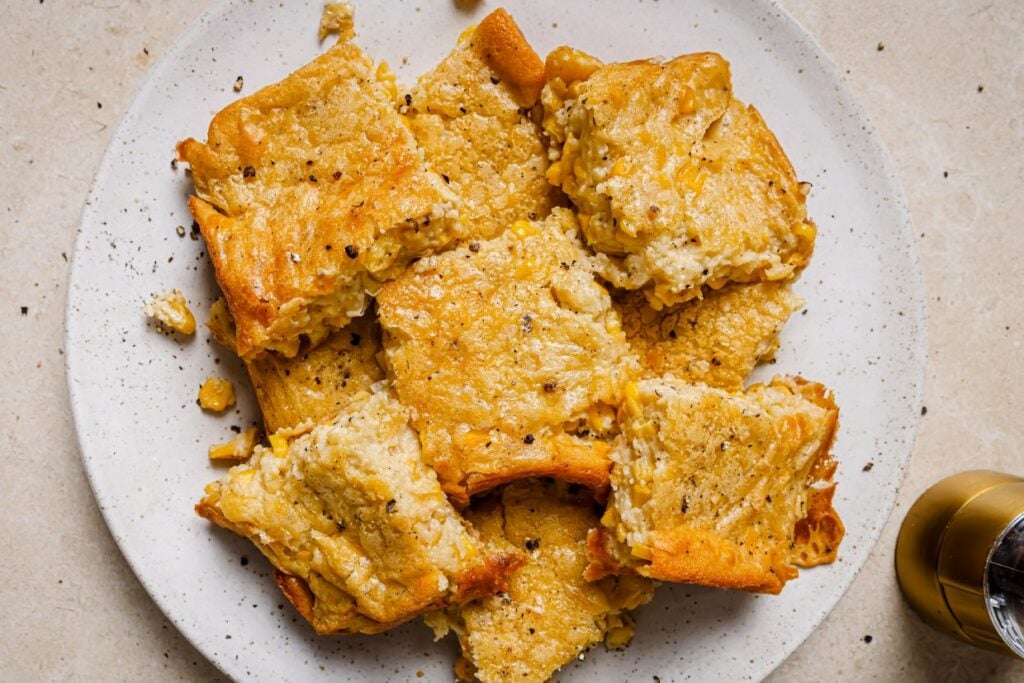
[133, 391]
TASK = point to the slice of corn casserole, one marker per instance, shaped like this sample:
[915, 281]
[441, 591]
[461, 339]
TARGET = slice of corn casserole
[678, 184]
[721, 489]
[318, 381]
[475, 118]
[355, 523]
[550, 613]
[310, 193]
[716, 340]
[510, 357]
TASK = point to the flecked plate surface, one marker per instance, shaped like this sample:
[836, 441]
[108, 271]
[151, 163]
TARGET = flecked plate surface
[133, 390]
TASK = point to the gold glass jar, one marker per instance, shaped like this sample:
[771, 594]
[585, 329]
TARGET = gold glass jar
[960, 559]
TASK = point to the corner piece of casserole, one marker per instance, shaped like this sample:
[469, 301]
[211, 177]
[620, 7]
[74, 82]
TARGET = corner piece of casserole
[356, 524]
[721, 489]
[678, 184]
[311, 192]
[550, 612]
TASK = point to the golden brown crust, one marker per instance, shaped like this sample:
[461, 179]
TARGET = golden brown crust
[506, 50]
[298, 593]
[563, 457]
[309, 191]
[817, 536]
[602, 562]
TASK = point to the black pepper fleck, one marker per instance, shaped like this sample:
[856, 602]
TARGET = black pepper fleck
[528, 439]
[924, 410]
[390, 506]
[24, 310]
[550, 386]
[248, 172]
[474, 247]
[244, 560]
[868, 639]
[532, 544]
[356, 339]
[351, 250]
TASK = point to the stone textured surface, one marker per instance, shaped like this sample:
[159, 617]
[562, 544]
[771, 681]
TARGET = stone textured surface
[945, 88]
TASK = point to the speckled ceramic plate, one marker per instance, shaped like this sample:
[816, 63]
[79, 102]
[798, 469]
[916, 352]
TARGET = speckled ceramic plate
[133, 391]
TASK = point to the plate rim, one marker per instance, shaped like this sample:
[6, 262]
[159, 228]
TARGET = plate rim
[916, 297]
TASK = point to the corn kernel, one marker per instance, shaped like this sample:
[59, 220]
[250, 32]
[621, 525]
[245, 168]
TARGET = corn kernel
[693, 177]
[237, 449]
[633, 400]
[641, 551]
[621, 167]
[386, 77]
[687, 101]
[805, 232]
[660, 157]
[523, 229]
[609, 518]
[570, 64]
[466, 34]
[171, 310]
[554, 173]
[216, 394]
[279, 445]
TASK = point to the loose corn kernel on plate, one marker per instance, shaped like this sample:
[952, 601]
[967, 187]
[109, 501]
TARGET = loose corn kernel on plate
[134, 383]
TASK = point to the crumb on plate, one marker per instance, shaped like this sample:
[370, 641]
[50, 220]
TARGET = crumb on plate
[216, 394]
[172, 312]
[238, 449]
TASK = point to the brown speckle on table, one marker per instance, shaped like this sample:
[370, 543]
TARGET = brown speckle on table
[239, 83]
[868, 639]
[924, 410]
[24, 310]
[867, 467]
[881, 46]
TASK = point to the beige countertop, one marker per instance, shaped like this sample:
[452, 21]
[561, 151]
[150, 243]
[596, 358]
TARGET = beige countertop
[945, 88]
